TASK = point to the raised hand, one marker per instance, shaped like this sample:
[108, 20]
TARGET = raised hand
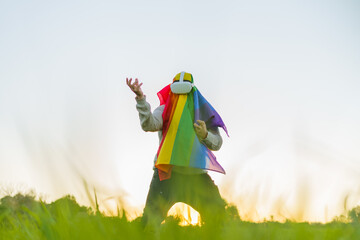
[200, 129]
[135, 87]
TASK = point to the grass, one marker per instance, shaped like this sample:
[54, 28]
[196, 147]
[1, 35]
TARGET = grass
[23, 217]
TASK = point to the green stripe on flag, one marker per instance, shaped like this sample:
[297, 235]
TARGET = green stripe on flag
[185, 136]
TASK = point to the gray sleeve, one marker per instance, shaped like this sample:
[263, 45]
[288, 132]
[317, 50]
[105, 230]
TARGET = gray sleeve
[213, 140]
[151, 122]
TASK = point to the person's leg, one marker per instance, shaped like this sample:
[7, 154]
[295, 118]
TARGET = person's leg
[158, 202]
[204, 196]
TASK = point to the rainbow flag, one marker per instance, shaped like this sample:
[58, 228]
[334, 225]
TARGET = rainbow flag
[180, 145]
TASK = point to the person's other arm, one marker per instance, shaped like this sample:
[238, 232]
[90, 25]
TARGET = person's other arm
[213, 139]
[210, 137]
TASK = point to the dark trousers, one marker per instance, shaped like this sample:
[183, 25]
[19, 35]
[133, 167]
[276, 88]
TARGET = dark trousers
[198, 191]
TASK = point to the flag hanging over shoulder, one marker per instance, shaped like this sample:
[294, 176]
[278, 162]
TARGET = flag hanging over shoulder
[180, 145]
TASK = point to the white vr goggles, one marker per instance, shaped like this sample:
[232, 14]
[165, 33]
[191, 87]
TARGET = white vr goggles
[181, 86]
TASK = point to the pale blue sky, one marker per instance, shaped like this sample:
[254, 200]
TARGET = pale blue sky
[283, 75]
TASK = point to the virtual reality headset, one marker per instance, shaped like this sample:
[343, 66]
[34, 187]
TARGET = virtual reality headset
[182, 84]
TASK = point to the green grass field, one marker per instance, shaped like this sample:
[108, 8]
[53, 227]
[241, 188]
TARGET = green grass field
[22, 217]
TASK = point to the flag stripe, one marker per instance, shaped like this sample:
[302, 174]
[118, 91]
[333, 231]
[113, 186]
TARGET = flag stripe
[166, 149]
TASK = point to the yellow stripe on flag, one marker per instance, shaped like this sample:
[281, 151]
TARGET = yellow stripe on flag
[168, 144]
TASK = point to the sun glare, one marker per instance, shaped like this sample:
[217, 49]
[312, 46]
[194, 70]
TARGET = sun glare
[187, 214]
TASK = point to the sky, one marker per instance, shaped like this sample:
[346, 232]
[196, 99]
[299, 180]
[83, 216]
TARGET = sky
[284, 76]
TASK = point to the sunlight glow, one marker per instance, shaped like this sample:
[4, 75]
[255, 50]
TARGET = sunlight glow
[187, 214]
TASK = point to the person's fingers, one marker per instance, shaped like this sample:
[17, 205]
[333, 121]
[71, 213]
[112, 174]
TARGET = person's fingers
[129, 83]
[136, 83]
[140, 85]
[200, 122]
[134, 86]
[196, 126]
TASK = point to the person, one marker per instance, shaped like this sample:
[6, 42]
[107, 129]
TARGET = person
[187, 126]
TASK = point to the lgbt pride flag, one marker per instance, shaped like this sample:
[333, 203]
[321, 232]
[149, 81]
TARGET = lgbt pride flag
[180, 145]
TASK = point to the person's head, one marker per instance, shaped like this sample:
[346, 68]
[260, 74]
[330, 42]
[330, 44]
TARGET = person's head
[183, 83]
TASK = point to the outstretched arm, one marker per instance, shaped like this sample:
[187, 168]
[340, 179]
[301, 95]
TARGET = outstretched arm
[149, 121]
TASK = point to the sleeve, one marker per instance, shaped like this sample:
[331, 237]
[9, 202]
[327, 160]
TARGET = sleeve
[213, 140]
[151, 122]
